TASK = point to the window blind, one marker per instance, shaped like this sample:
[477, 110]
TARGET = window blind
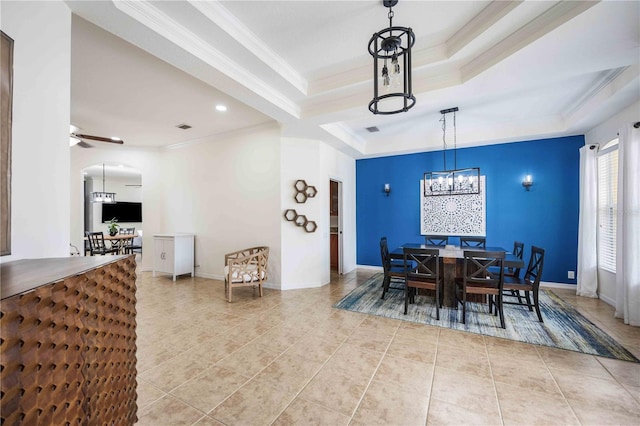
[607, 209]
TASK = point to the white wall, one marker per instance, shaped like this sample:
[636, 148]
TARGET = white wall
[226, 192]
[305, 255]
[40, 147]
[149, 162]
[602, 134]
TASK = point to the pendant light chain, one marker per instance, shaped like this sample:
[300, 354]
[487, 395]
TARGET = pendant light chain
[455, 151]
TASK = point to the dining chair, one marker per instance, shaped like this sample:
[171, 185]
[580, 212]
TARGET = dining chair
[436, 240]
[393, 269]
[483, 274]
[518, 251]
[474, 242]
[530, 283]
[422, 270]
[97, 245]
[127, 246]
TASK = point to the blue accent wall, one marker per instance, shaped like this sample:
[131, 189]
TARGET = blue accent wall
[546, 216]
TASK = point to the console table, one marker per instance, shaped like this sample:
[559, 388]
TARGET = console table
[68, 341]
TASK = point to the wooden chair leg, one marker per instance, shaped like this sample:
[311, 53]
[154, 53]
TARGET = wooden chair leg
[536, 303]
[499, 300]
[406, 299]
[526, 293]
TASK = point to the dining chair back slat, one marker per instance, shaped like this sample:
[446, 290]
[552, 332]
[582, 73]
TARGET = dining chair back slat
[436, 240]
[474, 242]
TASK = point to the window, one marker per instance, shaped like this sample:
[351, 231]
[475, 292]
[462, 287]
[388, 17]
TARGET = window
[607, 205]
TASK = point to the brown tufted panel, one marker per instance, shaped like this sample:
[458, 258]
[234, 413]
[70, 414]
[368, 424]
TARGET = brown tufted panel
[68, 350]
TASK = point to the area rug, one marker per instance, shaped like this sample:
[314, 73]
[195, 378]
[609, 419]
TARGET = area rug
[563, 326]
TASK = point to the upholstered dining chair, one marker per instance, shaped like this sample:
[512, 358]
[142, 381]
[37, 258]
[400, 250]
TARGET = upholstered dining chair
[422, 270]
[530, 283]
[483, 274]
[97, 245]
[436, 240]
[474, 242]
[393, 269]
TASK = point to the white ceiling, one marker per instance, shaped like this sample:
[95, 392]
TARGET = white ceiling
[516, 70]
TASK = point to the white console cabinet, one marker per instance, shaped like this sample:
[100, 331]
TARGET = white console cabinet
[173, 254]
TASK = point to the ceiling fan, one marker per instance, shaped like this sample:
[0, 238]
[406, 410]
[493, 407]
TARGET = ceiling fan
[78, 139]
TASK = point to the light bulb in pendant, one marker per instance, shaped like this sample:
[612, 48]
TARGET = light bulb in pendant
[385, 75]
[395, 66]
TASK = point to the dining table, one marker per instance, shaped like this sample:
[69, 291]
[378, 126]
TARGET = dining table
[117, 240]
[452, 264]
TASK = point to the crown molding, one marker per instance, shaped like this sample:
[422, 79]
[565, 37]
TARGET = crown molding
[148, 15]
[224, 19]
[552, 18]
[346, 135]
[271, 125]
[607, 85]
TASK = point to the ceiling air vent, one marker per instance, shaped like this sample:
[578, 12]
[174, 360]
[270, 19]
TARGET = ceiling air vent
[372, 129]
[183, 126]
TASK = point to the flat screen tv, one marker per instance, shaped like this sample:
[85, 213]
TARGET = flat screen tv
[123, 211]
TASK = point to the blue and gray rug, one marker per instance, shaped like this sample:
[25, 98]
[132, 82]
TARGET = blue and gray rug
[563, 326]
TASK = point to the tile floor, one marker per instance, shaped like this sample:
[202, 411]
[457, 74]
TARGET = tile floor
[289, 358]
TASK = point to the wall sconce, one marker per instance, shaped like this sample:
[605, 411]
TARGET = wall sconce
[527, 182]
[387, 189]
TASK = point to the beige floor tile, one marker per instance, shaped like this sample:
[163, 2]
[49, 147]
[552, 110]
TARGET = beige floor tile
[343, 359]
[634, 391]
[627, 373]
[461, 339]
[147, 393]
[414, 349]
[521, 407]
[370, 339]
[290, 372]
[336, 391]
[248, 360]
[278, 339]
[209, 388]
[595, 415]
[504, 351]
[444, 413]
[168, 411]
[474, 363]
[606, 394]
[255, 403]
[569, 360]
[412, 376]
[387, 404]
[207, 421]
[526, 378]
[175, 371]
[314, 348]
[472, 392]
[303, 412]
[186, 330]
[419, 332]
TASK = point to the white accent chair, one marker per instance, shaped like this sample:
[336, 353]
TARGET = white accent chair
[244, 268]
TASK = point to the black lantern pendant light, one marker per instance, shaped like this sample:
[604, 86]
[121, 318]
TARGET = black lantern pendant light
[391, 51]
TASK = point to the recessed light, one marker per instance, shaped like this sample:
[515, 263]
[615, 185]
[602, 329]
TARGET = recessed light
[221, 108]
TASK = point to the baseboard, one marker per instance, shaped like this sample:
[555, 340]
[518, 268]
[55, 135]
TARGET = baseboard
[370, 267]
[607, 300]
[209, 276]
[549, 284]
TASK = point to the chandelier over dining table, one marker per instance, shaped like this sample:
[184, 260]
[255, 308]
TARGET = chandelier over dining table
[455, 181]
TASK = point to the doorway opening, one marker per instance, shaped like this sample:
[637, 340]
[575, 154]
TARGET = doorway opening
[335, 225]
